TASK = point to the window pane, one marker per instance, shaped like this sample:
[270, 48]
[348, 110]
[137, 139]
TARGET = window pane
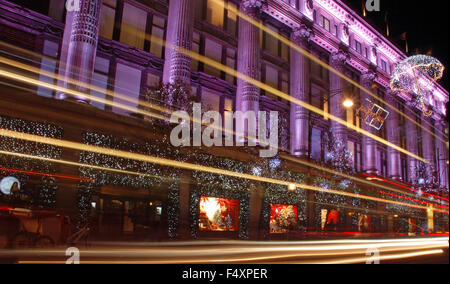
[213, 51]
[196, 49]
[155, 47]
[49, 66]
[316, 144]
[350, 118]
[316, 98]
[285, 52]
[271, 43]
[215, 13]
[56, 10]
[133, 26]
[153, 81]
[271, 76]
[228, 105]
[101, 82]
[127, 83]
[107, 19]
[102, 65]
[232, 20]
[230, 63]
[199, 9]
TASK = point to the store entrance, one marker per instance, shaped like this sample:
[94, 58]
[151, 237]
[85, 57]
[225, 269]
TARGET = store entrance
[128, 218]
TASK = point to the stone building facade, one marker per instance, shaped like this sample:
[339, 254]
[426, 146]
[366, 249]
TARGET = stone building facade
[128, 47]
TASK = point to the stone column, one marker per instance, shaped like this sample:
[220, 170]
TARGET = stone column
[299, 81]
[180, 27]
[369, 146]
[427, 145]
[411, 142]
[393, 136]
[64, 51]
[177, 70]
[337, 85]
[82, 48]
[443, 155]
[249, 63]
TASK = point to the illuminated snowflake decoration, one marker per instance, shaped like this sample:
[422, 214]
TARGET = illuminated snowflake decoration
[406, 77]
[256, 171]
[324, 186]
[345, 183]
[275, 163]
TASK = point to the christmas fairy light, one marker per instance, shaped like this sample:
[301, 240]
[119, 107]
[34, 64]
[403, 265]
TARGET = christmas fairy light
[405, 77]
[183, 165]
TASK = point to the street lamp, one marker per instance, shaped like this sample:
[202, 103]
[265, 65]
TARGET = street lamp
[348, 103]
[292, 187]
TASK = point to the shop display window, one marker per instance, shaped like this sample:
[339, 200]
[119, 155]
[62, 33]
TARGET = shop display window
[218, 214]
[283, 218]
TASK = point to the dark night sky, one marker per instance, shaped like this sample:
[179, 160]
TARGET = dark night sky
[425, 21]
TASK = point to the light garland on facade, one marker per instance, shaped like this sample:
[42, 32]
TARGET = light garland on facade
[47, 188]
[209, 184]
[220, 186]
[405, 77]
[101, 178]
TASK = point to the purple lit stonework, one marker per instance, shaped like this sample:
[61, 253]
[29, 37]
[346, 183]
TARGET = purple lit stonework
[180, 26]
[248, 62]
[117, 47]
[82, 48]
[299, 90]
[393, 136]
[369, 145]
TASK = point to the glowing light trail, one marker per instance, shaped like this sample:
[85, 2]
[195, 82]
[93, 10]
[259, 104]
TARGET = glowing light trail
[300, 161]
[287, 97]
[46, 174]
[304, 52]
[187, 166]
[341, 251]
[32, 69]
[405, 187]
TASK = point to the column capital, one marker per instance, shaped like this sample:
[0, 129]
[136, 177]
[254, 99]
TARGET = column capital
[177, 66]
[442, 124]
[338, 59]
[368, 78]
[86, 21]
[252, 7]
[302, 35]
[82, 48]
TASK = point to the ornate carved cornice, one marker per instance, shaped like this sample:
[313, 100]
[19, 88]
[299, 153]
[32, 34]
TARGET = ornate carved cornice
[85, 24]
[339, 59]
[368, 78]
[302, 34]
[252, 7]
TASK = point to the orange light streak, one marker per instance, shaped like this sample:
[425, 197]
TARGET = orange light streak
[187, 166]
